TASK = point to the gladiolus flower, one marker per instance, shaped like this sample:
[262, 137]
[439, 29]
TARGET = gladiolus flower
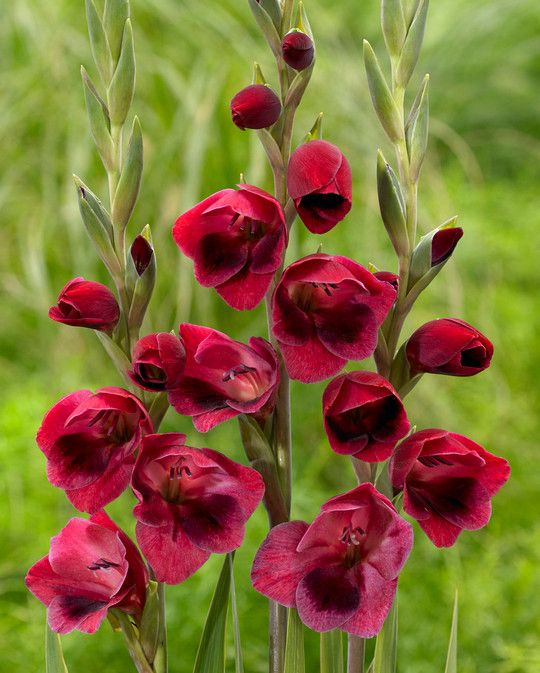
[89, 441]
[444, 243]
[298, 50]
[363, 416]
[223, 378]
[326, 310]
[192, 503]
[158, 362]
[83, 303]
[236, 239]
[255, 107]
[341, 571]
[448, 346]
[448, 482]
[320, 183]
[92, 566]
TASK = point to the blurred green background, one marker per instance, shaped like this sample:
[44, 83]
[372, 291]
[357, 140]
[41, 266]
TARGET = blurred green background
[484, 60]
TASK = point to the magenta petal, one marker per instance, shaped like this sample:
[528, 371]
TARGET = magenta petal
[377, 597]
[219, 256]
[67, 613]
[351, 334]
[311, 362]
[245, 290]
[326, 598]
[173, 557]
[278, 567]
[209, 420]
[215, 523]
[102, 491]
[440, 531]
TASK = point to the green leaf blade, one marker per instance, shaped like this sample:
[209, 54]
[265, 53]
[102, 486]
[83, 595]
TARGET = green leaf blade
[54, 656]
[211, 653]
[331, 648]
[294, 650]
[385, 657]
[451, 657]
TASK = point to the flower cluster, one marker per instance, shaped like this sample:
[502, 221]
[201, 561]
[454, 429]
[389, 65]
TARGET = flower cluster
[324, 311]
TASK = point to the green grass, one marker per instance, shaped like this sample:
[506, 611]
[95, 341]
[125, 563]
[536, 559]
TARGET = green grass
[484, 155]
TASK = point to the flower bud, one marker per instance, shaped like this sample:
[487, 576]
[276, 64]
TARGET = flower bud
[141, 273]
[320, 184]
[255, 107]
[298, 50]
[431, 254]
[158, 362]
[448, 346]
[389, 277]
[443, 244]
[84, 303]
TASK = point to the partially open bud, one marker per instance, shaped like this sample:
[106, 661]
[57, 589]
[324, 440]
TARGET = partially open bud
[158, 362]
[141, 275]
[84, 303]
[255, 107]
[320, 184]
[298, 50]
[431, 254]
[388, 277]
[448, 346]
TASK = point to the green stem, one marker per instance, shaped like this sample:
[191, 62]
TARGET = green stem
[355, 654]
[133, 645]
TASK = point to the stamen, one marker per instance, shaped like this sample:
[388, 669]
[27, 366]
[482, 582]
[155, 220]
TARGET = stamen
[102, 564]
[237, 371]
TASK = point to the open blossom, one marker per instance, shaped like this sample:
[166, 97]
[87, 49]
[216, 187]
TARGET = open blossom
[320, 183]
[89, 441]
[255, 107]
[448, 346]
[84, 303]
[448, 482]
[157, 362]
[91, 566]
[236, 239]
[223, 378]
[363, 416]
[341, 571]
[192, 503]
[326, 310]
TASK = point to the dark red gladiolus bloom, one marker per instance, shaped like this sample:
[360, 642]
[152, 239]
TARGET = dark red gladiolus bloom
[320, 184]
[224, 378]
[326, 310]
[158, 362]
[444, 243]
[192, 503]
[448, 482]
[89, 441]
[83, 303]
[363, 416]
[448, 346]
[92, 566]
[236, 239]
[341, 571]
[255, 107]
[298, 50]
[389, 277]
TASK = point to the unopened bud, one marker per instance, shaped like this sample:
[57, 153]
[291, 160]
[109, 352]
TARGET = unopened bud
[298, 50]
[255, 107]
